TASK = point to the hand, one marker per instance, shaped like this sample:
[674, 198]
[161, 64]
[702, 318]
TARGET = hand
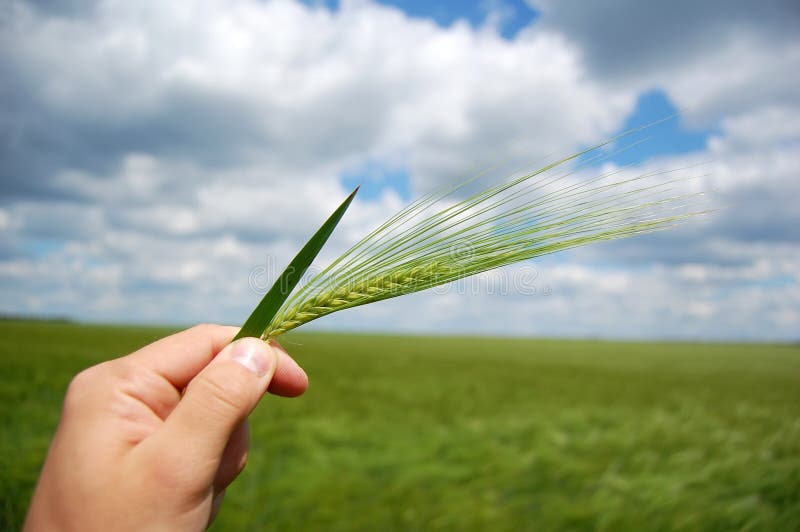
[151, 440]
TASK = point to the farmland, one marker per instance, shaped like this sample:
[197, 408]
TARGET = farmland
[399, 433]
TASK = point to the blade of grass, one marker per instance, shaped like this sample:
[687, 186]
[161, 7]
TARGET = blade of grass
[283, 286]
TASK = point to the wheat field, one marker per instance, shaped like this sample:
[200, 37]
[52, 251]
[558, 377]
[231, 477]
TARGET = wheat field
[442, 433]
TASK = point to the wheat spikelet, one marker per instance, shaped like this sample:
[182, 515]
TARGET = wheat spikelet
[443, 236]
[381, 287]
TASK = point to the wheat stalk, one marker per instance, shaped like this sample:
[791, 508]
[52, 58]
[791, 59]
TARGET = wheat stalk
[442, 237]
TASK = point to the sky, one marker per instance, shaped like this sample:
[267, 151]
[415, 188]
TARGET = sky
[160, 162]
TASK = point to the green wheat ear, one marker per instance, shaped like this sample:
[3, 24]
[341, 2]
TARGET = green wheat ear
[449, 234]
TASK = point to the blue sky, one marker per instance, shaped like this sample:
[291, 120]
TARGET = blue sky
[664, 131]
[513, 15]
[159, 161]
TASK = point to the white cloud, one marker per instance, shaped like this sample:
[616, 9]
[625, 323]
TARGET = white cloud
[158, 151]
[5, 220]
[305, 87]
[713, 58]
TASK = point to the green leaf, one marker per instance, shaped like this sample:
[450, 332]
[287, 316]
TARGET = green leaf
[258, 321]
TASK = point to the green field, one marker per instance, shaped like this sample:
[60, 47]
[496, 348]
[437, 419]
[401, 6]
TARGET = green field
[412, 433]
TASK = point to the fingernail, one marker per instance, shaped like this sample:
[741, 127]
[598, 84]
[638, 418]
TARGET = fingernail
[253, 354]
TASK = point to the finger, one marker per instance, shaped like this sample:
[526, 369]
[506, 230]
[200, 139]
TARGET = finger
[181, 356]
[234, 458]
[215, 403]
[290, 380]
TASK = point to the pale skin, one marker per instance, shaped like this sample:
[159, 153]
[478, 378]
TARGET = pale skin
[151, 440]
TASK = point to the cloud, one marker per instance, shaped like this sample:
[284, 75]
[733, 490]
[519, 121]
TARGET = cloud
[712, 57]
[154, 154]
[629, 38]
[231, 82]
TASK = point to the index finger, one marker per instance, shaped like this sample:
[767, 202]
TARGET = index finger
[181, 356]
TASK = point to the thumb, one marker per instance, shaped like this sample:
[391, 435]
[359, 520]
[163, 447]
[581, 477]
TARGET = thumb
[218, 399]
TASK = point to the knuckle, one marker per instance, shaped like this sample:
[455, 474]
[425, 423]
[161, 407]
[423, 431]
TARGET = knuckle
[96, 382]
[204, 329]
[82, 387]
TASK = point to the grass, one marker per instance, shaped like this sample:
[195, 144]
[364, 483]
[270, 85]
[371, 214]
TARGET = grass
[401, 433]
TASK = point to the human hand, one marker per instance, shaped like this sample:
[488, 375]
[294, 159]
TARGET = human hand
[151, 440]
